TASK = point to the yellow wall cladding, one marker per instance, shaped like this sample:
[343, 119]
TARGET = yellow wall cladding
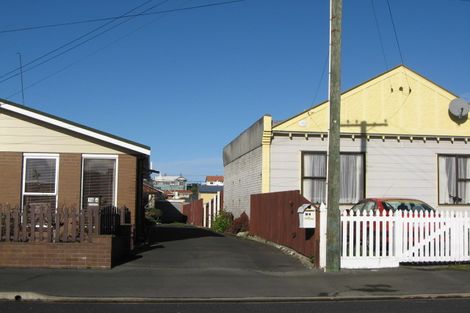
[385, 105]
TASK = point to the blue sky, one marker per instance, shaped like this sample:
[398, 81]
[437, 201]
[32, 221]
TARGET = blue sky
[187, 83]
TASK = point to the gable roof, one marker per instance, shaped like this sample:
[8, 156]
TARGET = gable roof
[73, 126]
[397, 102]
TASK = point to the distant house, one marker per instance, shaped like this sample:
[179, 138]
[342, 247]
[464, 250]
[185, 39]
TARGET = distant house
[208, 192]
[164, 182]
[47, 161]
[214, 181]
[152, 194]
[183, 195]
[398, 139]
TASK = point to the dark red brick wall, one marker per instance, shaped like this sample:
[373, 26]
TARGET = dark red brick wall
[127, 184]
[11, 165]
[102, 253]
[70, 175]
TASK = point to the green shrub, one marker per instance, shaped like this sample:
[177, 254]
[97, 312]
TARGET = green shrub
[153, 215]
[222, 222]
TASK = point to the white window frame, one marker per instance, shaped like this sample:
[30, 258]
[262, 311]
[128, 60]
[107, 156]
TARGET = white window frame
[321, 178]
[49, 156]
[457, 179]
[116, 171]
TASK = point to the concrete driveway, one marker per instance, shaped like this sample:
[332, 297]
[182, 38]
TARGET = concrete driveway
[185, 248]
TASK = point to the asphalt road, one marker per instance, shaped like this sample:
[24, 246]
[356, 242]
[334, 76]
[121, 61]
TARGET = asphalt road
[391, 306]
[194, 263]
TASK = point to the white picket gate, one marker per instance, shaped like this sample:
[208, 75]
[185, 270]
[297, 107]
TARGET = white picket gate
[374, 240]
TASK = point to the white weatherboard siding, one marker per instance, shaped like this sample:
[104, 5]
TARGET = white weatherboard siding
[18, 135]
[393, 168]
[242, 178]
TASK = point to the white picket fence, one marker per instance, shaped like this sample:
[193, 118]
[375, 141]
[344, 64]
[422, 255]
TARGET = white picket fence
[374, 240]
[211, 210]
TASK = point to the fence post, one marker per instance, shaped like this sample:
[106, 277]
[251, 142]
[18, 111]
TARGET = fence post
[398, 233]
[210, 206]
[217, 204]
[323, 223]
[1, 222]
[204, 215]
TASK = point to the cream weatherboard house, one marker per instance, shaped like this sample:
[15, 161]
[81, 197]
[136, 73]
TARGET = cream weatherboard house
[398, 139]
[49, 161]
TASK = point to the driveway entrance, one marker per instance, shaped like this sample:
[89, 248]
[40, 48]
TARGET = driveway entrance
[188, 248]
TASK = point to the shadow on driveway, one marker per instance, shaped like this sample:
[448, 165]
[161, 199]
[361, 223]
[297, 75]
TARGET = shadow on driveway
[168, 232]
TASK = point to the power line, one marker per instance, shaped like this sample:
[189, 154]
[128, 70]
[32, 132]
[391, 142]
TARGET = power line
[79, 60]
[115, 17]
[129, 17]
[107, 45]
[379, 33]
[325, 63]
[15, 71]
[395, 32]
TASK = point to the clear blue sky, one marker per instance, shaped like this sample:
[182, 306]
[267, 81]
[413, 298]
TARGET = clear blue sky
[187, 83]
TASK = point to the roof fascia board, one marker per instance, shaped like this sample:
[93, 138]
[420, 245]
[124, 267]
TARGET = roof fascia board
[73, 128]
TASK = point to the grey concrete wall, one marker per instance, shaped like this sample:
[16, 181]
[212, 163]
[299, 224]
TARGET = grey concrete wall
[247, 141]
[393, 168]
[242, 177]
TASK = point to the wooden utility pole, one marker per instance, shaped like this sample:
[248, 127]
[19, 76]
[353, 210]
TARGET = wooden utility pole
[333, 240]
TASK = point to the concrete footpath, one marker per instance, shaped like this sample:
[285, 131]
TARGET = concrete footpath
[188, 264]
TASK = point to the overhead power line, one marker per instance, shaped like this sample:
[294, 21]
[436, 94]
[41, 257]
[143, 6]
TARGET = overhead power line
[106, 46]
[379, 33]
[30, 65]
[28, 28]
[13, 73]
[395, 32]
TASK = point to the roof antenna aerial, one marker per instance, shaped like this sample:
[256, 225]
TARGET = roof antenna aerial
[21, 75]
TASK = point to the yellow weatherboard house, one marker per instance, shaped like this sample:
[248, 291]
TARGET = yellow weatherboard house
[398, 139]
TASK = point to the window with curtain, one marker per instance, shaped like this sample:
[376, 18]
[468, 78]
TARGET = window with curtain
[99, 182]
[454, 179]
[351, 177]
[40, 181]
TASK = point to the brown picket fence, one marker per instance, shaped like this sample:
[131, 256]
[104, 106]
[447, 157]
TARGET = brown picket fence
[45, 224]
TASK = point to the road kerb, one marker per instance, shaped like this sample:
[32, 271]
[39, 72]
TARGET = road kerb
[33, 296]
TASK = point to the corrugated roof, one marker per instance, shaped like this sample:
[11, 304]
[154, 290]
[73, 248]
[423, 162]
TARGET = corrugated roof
[210, 189]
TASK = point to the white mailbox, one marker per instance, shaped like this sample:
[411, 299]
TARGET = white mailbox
[307, 215]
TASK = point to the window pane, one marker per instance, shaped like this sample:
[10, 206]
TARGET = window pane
[39, 202]
[352, 178]
[99, 181]
[314, 190]
[40, 175]
[314, 165]
[464, 168]
[464, 192]
[447, 179]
